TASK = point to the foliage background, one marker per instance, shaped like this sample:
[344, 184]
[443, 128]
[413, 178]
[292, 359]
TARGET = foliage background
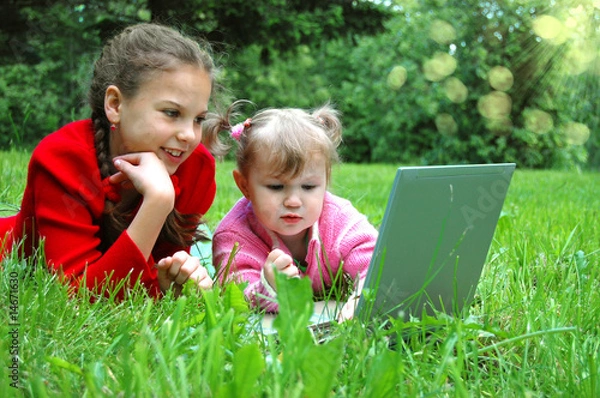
[411, 77]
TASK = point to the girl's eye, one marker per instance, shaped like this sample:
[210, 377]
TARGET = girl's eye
[171, 113]
[308, 187]
[199, 119]
[275, 187]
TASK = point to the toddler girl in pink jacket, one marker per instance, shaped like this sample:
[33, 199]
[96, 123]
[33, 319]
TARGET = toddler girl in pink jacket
[287, 221]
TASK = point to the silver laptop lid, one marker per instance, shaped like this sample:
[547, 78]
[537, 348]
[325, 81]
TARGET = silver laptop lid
[434, 239]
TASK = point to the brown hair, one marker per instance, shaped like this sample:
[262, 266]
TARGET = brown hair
[127, 61]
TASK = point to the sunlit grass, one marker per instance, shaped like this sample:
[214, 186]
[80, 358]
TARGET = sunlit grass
[13, 173]
[532, 330]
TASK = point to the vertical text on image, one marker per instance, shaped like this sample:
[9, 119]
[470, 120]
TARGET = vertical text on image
[13, 327]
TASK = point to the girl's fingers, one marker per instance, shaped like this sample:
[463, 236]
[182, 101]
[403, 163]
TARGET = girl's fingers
[202, 279]
[348, 309]
[132, 158]
[291, 271]
[124, 166]
[183, 265]
[283, 261]
[164, 264]
[117, 178]
[274, 255]
[145, 172]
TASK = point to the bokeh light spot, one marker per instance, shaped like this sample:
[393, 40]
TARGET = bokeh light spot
[538, 121]
[576, 133]
[501, 78]
[442, 32]
[455, 90]
[495, 105]
[439, 67]
[397, 77]
[446, 124]
[548, 27]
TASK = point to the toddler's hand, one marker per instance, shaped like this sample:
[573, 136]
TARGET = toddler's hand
[279, 261]
[347, 311]
[174, 271]
[349, 307]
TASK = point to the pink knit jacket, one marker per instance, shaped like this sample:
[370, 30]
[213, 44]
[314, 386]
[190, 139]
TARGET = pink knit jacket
[344, 234]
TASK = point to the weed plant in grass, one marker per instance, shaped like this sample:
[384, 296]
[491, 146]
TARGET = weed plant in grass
[532, 330]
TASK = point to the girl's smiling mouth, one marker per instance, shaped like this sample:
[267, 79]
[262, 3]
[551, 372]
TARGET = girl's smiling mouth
[173, 152]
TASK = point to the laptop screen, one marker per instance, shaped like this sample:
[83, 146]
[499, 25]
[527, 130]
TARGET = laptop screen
[434, 239]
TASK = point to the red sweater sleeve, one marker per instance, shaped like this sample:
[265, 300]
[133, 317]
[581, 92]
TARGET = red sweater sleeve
[66, 200]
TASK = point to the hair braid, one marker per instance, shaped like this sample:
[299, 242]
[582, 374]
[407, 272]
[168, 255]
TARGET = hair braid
[101, 143]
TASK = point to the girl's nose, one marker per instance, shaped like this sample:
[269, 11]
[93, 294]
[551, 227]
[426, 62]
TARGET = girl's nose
[187, 132]
[292, 199]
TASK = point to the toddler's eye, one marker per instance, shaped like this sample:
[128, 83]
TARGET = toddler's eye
[199, 119]
[308, 187]
[275, 187]
[171, 112]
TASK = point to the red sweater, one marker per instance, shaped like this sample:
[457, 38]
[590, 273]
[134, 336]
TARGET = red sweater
[64, 200]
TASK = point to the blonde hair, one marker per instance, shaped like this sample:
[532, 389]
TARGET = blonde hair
[289, 138]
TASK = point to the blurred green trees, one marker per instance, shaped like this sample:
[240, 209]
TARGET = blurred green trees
[418, 81]
[453, 81]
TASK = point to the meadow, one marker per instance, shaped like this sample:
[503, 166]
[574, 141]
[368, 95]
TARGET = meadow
[533, 330]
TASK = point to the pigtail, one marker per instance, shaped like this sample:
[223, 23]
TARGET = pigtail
[221, 121]
[215, 123]
[329, 118]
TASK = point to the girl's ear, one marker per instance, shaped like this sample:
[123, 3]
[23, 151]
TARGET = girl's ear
[241, 182]
[112, 104]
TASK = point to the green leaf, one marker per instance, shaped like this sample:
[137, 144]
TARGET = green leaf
[384, 375]
[248, 365]
[61, 363]
[235, 299]
[294, 296]
[320, 367]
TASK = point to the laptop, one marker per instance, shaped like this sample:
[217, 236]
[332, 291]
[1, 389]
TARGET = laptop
[432, 245]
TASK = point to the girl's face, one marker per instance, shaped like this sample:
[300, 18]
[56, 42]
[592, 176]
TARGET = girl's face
[164, 117]
[287, 206]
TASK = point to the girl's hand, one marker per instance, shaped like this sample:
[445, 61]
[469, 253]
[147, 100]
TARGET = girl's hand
[279, 261]
[347, 311]
[145, 172]
[174, 271]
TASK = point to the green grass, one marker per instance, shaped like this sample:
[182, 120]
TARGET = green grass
[532, 331]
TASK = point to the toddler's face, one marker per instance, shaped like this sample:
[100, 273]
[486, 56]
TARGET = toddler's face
[287, 206]
[165, 116]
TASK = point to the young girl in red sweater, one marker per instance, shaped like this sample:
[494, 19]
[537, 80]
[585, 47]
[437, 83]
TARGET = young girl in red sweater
[120, 196]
